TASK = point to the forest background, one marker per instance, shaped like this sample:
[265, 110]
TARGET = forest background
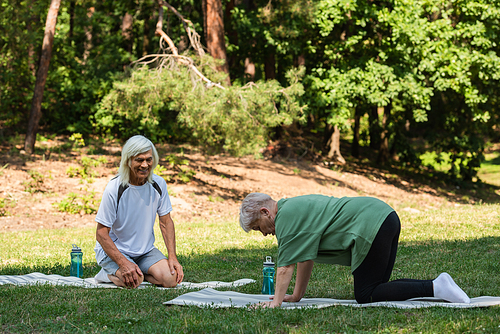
[404, 83]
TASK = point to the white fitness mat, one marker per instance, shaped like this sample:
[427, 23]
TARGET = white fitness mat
[96, 282]
[217, 299]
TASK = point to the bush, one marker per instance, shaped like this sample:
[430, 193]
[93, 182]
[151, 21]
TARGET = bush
[83, 204]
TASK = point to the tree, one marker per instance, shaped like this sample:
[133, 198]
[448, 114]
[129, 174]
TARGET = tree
[214, 32]
[272, 36]
[428, 67]
[19, 52]
[235, 118]
[41, 76]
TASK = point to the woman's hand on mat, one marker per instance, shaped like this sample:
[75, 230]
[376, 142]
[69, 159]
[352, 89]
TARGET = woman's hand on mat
[270, 304]
[289, 298]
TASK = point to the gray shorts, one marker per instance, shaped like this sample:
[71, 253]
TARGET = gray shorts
[144, 261]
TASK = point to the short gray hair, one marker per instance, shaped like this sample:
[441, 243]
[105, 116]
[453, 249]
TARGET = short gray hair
[250, 209]
[134, 146]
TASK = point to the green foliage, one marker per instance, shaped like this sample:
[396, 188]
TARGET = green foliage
[21, 39]
[174, 160]
[35, 184]
[185, 174]
[214, 116]
[77, 139]
[215, 199]
[275, 33]
[86, 170]
[436, 63]
[179, 166]
[79, 203]
[161, 171]
[6, 203]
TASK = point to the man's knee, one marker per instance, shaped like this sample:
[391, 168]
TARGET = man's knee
[161, 275]
[169, 280]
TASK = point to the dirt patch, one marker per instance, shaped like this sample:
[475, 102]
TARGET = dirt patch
[216, 189]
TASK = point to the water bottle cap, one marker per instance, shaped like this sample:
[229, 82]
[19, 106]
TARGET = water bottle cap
[269, 262]
[76, 248]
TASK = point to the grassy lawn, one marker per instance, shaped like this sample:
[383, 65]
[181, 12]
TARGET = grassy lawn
[490, 168]
[464, 241]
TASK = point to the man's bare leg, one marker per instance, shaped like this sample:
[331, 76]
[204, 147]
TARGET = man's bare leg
[117, 279]
[159, 274]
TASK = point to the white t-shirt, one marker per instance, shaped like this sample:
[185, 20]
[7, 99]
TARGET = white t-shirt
[132, 224]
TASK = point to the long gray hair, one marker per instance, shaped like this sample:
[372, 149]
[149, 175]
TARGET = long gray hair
[250, 209]
[134, 146]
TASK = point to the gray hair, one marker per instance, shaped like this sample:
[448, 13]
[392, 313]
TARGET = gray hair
[134, 146]
[250, 209]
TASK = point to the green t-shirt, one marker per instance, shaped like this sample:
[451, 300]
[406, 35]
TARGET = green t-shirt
[328, 229]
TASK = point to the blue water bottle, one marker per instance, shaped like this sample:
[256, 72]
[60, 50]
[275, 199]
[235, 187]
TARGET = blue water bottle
[76, 268]
[268, 280]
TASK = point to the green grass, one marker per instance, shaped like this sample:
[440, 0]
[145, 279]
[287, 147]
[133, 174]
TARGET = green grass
[490, 169]
[464, 241]
[489, 172]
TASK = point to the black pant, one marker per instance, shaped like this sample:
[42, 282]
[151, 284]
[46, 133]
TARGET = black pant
[371, 278]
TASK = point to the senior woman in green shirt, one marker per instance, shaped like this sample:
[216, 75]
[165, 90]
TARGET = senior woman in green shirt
[361, 232]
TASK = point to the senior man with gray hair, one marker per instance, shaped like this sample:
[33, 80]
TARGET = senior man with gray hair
[361, 232]
[125, 237]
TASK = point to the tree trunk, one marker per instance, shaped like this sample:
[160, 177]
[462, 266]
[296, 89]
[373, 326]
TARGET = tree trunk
[214, 32]
[145, 38]
[270, 66]
[127, 22]
[374, 128]
[231, 34]
[299, 61]
[334, 145]
[41, 76]
[249, 70]
[87, 44]
[383, 152]
[71, 19]
[31, 49]
[355, 130]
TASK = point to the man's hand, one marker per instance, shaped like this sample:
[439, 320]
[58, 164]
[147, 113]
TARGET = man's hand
[130, 273]
[175, 267]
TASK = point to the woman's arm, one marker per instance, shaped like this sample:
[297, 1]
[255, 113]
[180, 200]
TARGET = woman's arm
[283, 278]
[304, 270]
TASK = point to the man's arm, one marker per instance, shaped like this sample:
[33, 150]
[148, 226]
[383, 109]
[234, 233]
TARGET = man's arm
[129, 271]
[168, 232]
